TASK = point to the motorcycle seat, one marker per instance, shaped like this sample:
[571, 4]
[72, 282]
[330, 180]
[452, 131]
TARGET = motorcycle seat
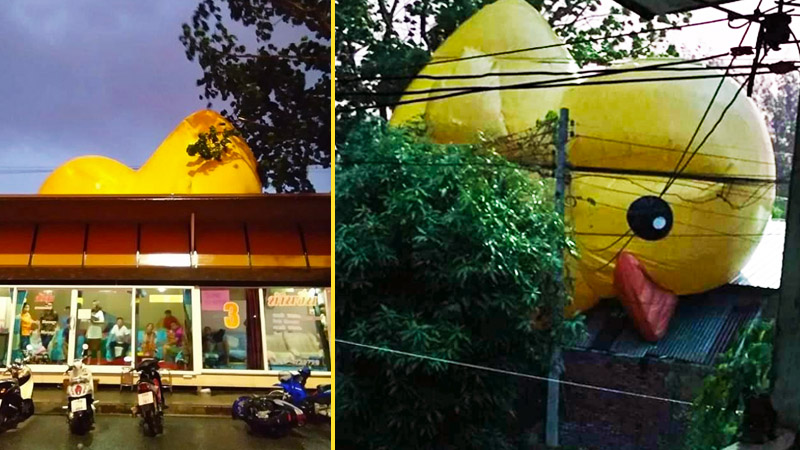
[323, 387]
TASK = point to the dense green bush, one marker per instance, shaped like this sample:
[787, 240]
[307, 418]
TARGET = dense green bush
[447, 251]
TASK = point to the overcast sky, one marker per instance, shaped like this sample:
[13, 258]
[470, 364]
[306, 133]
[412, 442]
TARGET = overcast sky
[92, 77]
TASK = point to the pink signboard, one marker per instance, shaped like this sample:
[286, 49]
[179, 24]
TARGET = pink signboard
[214, 299]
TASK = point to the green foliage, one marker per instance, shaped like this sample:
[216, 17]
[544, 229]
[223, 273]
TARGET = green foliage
[391, 37]
[779, 208]
[451, 252]
[277, 92]
[743, 371]
[214, 144]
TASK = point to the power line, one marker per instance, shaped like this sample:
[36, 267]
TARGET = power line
[572, 77]
[668, 149]
[509, 372]
[526, 86]
[535, 73]
[576, 41]
[678, 169]
[596, 171]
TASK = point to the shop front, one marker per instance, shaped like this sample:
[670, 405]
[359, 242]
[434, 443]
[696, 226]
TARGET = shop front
[224, 291]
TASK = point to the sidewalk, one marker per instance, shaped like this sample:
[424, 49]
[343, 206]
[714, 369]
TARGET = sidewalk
[183, 401]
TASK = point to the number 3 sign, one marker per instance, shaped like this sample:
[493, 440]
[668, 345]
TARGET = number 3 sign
[232, 319]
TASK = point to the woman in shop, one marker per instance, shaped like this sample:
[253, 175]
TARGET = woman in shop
[149, 342]
[26, 326]
[94, 335]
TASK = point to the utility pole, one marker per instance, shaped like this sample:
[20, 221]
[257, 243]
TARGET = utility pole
[786, 394]
[557, 363]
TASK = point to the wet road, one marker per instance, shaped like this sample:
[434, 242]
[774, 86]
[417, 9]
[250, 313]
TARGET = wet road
[122, 433]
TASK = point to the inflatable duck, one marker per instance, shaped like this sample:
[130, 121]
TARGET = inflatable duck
[634, 243]
[170, 169]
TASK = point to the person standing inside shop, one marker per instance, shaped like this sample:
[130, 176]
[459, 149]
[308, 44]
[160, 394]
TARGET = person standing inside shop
[168, 320]
[47, 327]
[26, 326]
[65, 334]
[94, 335]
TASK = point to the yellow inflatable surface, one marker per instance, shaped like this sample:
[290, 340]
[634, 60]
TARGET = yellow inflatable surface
[629, 138]
[170, 170]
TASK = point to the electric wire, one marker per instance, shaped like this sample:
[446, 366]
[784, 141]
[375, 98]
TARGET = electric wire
[573, 41]
[509, 372]
[526, 86]
[573, 77]
[708, 108]
[534, 73]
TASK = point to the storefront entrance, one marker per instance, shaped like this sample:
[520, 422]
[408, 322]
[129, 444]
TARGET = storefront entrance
[237, 330]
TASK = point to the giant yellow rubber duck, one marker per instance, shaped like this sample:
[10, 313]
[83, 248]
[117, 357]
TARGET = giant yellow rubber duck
[170, 169]
[634, 243]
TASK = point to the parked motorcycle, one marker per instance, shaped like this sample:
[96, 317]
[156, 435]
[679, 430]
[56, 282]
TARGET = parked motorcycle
[80, 396]
[316, 405]
[265, 415]
[16, 393]
[150, 399]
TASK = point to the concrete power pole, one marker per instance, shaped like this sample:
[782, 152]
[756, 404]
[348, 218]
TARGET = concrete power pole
[786, 395]
[556, 366]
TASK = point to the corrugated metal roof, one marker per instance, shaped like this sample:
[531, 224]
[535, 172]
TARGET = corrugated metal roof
[702, 327]
[763, 269]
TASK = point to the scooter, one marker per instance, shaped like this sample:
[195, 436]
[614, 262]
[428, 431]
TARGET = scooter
[270, 416]
[150, 399]
[16, 402]
[80, 396]
[293, 389]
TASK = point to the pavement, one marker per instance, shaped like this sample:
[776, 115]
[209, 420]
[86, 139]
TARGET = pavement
[49, 399]
[50, 432]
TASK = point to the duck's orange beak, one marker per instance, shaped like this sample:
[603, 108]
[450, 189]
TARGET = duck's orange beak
[649, 305]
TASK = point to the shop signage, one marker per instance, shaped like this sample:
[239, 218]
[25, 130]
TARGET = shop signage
[232, 320]
[44, 300]
[291, 300]
[214, 299]
[166, 298]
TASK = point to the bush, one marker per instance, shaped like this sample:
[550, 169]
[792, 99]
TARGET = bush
[448, 251]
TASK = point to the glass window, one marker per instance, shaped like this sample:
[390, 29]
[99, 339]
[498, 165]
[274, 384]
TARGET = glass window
[104, 324]
[42, 321]
[231, 322]
[164, 326]
[296, 328]
[6, 322]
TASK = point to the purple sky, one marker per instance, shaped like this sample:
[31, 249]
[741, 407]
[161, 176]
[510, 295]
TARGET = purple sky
[87, 77]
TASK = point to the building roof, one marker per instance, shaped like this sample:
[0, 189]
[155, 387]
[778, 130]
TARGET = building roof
[702, 327]
[203, 239]
[763, 269]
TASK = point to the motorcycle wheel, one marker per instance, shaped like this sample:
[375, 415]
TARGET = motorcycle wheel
[80, 427]
[148, 423]
[159, 424]
[27, 408]
[280, 432]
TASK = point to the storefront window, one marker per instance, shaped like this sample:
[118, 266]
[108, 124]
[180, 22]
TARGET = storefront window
[104, 324]
[164, 326]
[6, 321]
[231, 322]
[41, 319]
[296, 329]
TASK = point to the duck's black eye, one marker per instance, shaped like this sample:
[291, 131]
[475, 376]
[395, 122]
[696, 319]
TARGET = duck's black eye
[650, 218]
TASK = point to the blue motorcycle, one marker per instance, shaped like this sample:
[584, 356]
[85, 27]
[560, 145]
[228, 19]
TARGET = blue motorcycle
[292, 385]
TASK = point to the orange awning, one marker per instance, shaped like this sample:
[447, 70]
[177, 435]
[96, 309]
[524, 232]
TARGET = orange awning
[100, 238]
